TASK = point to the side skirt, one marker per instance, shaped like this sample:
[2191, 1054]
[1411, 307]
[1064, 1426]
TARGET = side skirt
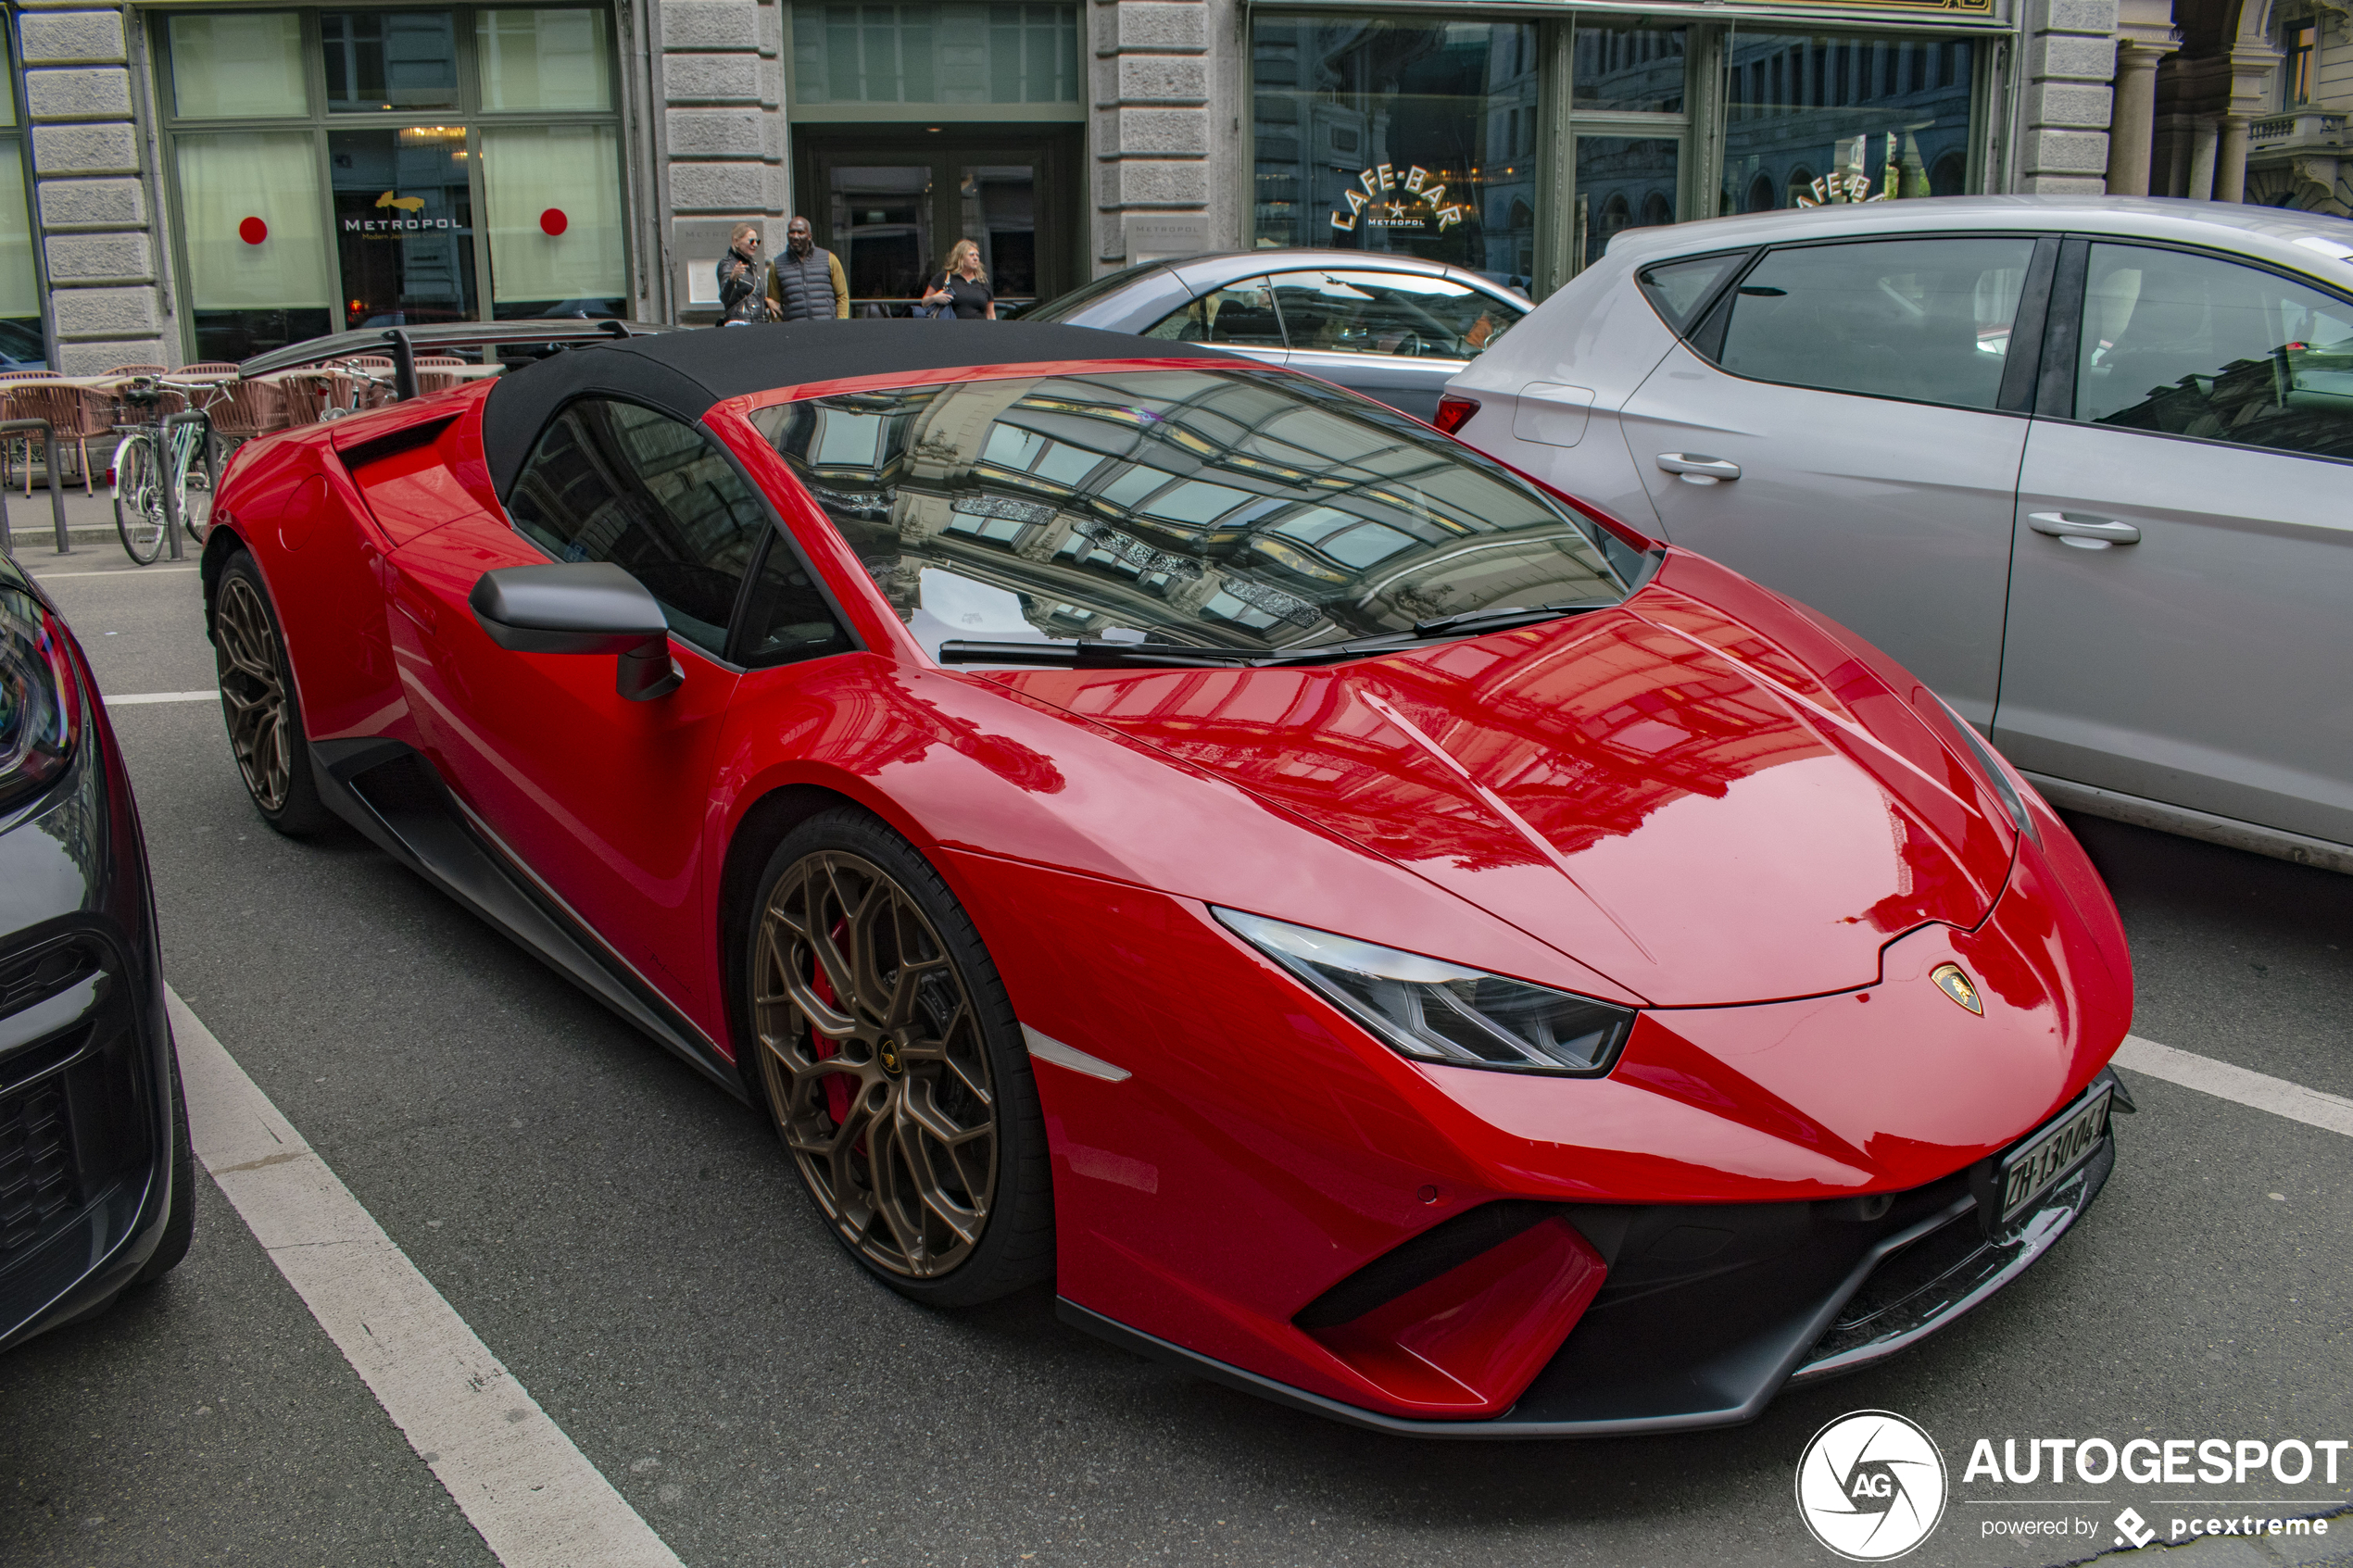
[2278, 843]
[393, 796]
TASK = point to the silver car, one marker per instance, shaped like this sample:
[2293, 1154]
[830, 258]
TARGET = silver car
[2084, 465]
[1394, 328]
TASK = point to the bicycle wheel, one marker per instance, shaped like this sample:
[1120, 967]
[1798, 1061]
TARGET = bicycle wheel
[138, 497]
[194, 470]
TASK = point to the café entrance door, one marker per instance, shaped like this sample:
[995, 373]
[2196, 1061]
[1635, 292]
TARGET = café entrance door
[889, 203]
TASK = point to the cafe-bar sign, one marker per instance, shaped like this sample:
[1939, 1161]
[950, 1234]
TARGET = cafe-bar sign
[1390, 200]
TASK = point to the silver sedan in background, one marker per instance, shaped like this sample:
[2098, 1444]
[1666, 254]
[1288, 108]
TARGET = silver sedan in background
[2083, 464]
[1394, 328]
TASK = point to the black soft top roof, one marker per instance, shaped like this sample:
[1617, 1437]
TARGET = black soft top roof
[684, 373]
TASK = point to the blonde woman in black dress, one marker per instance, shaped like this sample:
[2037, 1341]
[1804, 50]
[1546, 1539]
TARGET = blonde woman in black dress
[964, 285]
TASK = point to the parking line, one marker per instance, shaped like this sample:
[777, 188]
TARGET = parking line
[118, 572]
[535, 1500]
[2311, 1107]
[135, 698]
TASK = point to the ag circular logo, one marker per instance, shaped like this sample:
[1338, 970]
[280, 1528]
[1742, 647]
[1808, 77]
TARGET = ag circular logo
[1870, 1485]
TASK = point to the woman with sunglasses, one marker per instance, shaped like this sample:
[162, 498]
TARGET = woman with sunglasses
[741, 300]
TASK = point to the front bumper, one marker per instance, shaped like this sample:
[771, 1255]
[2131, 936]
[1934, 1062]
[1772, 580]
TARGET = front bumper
[1806, 1294]
[87, 1112]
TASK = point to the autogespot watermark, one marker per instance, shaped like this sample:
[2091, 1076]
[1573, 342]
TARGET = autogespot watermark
[1873, 1485]
[1870, 1485]
[2166, 1462]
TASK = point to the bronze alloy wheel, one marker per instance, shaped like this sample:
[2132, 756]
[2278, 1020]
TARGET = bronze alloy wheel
[252, 691]
[874, 1060]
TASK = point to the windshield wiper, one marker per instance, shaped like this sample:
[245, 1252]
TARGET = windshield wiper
[1184, 656]
[1506, 616]
[1097, 655]
[1163, 656]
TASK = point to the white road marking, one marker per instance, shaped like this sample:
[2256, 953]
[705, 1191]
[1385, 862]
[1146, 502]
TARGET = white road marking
[2311, 1107]
[138, 697]
[118, 572]
[537, 1502]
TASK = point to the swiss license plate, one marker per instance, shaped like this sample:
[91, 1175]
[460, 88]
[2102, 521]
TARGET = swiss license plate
[2035, 1166]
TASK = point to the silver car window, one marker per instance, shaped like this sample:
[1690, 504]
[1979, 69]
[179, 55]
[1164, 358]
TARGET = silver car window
[1408, 313]
[1927, 321]
[2194, 345]
[1240, 315]
[1677, 289]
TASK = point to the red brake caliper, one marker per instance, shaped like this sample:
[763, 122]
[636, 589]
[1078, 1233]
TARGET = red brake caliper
[839, 1089]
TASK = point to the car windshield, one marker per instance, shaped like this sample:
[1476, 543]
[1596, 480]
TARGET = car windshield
[1234, 510]
[1063, 306]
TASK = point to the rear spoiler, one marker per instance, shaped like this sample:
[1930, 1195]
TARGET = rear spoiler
[402, 344]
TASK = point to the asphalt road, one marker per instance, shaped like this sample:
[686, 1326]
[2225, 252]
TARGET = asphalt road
[636, 1249]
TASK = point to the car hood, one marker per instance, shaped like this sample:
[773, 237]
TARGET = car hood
[1673, 796]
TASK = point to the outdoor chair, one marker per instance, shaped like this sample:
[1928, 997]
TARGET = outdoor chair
[250, 408]
[74, 413]
[438, 373]
[8, 411]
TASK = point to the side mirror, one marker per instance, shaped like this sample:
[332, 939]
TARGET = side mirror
[581, 606]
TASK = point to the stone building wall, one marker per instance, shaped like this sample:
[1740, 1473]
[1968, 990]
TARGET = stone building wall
[720, 77]
[92, 203]
[1166, 78]
[2068, 64]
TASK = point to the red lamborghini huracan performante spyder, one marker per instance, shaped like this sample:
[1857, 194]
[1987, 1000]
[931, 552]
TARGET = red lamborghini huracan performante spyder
[1370, 928]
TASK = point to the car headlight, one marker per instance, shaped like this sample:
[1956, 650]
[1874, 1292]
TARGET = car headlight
[1432, 1010]
[1995, 775]
[40, 703]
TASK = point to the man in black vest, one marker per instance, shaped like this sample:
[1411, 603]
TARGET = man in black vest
[806, 283]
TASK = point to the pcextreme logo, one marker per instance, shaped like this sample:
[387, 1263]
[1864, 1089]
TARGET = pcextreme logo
[1870, 1485]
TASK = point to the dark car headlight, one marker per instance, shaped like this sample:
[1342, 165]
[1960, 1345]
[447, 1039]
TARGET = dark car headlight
[40, 703]
[1432, 1010]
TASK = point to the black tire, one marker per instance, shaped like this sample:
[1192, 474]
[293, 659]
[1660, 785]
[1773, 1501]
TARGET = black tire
[138, 498]
[259, 704]
[198, 481]
[964, 1063]
[180, 1227]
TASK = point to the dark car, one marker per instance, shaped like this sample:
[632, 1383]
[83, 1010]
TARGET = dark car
[97, 1177]
[1392, 327]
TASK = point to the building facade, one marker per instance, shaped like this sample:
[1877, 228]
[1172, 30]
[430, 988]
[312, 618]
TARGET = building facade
[200, 180]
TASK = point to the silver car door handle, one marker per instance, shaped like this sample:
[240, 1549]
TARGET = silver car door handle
[1698, 468]
[2083, 532]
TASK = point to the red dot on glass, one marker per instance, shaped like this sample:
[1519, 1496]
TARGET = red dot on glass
[253, 230]
[553, 221]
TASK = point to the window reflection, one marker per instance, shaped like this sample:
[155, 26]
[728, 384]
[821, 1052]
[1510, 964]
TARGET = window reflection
[1396, 135]
[1220, 509]
[379, 60]
[2194, 345]
[1627, 67]
[1812, 120]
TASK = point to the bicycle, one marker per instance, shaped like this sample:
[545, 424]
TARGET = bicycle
[360, 379]
[140, 473]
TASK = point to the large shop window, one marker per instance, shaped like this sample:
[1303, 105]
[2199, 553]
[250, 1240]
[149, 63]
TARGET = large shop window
[544, 181]
[1812, 120]
[1411, 136]
[22, 344]
[253, 218]
[344, 169]
[944, 55]
[1482, 142]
